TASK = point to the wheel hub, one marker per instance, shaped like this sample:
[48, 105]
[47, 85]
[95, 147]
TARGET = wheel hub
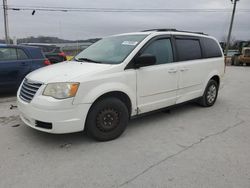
[211, 94]
[107, 120]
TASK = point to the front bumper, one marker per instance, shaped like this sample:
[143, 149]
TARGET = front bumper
[63, 119]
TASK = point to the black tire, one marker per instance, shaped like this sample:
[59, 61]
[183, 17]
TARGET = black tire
[107, 119]
[210, 95]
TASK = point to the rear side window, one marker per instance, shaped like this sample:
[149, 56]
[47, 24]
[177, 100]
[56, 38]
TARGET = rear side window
[211, 48]
[188, 49]
[36, 53]
[21, 55]
[8, 54]
[48, 49]
[57, 50]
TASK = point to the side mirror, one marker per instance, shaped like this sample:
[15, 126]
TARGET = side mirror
[145, 60]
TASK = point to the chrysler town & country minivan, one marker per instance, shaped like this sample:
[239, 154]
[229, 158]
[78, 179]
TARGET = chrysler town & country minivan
[120, 77]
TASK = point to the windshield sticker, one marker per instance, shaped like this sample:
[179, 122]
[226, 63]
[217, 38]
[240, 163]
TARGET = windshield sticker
[130, 43]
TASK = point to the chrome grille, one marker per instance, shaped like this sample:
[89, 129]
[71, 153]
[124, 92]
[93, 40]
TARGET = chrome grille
[28, 90]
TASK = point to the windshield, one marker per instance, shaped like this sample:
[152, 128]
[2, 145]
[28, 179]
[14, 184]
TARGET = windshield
[110, 50]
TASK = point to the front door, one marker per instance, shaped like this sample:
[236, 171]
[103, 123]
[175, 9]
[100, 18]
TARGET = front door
[13, 67]
[157, 84]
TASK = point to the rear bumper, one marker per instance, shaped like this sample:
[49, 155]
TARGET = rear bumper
[63, 120]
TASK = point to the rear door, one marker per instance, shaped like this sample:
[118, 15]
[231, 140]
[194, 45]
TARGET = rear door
[192, 67]
[24, 63]
[14, 64]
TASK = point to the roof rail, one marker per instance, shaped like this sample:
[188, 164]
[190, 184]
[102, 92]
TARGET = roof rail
[162, 30]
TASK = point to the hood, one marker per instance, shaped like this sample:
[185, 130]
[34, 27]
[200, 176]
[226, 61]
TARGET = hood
[66, 71]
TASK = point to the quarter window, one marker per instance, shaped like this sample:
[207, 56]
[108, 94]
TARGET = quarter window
[188, 49]
[211, 48]
[162, 50]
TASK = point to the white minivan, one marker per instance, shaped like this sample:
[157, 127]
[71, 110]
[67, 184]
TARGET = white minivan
[120, 77]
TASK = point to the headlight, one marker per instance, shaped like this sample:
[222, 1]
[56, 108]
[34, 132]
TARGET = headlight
[61, 90]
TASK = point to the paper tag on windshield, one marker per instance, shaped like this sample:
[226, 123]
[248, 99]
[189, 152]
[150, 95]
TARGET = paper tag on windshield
[131, 43]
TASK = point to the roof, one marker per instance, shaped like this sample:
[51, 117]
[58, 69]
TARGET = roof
[37, 44]
[167, 31]
[19, 46]
[8, 45]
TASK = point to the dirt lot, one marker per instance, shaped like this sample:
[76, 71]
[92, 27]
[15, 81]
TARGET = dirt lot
[189, 147]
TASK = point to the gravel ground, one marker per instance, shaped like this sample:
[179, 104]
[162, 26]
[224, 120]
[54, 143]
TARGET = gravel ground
[189, 147]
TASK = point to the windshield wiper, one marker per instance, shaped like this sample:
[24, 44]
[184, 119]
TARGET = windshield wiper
[86, 59]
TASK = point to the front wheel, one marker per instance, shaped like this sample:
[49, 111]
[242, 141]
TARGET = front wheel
[107, 119]
[210, 95]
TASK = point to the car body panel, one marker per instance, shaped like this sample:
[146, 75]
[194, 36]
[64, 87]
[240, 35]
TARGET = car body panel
[67, 71]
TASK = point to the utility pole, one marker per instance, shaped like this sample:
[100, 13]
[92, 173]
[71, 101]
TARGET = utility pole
[6, 24]
[231, 26]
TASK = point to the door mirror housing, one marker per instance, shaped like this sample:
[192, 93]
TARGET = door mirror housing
[145, 60]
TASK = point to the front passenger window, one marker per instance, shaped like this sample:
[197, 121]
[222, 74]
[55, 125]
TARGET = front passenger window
[161, 49]
[8, 54]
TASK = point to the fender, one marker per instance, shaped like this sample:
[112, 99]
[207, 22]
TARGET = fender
[212, 74]
[94, 93]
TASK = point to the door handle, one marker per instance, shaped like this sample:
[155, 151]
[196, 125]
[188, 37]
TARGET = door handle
[172, 70]
[184, 69]
[23, 64]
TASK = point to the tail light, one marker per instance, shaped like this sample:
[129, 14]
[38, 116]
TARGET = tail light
[46, 62]
[62, 54]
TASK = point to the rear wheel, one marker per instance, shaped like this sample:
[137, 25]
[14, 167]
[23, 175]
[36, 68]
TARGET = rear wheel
[107, 119]
[210, 95]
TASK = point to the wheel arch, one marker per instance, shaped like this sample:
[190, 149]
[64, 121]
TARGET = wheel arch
[217, 79]
[215, 76]
[119, 95]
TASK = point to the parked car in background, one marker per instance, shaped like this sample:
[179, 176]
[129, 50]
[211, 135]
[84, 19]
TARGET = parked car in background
[243, 58]
[229, 55]
[51, 51]
[120, 77]
[72, 49]
[16, 62]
